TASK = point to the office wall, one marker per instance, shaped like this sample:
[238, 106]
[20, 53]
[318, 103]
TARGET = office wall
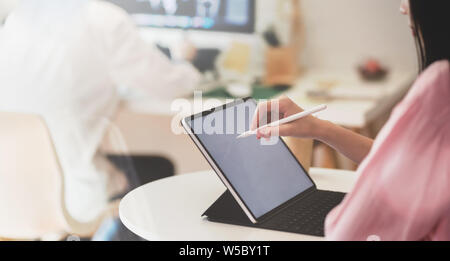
[341, 33]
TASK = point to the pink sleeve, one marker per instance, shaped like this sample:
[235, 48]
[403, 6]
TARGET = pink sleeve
[402, 191]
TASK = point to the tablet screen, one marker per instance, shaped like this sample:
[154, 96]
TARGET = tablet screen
[265, 176]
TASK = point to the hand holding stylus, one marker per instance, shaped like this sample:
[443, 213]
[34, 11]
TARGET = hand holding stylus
[294, 120]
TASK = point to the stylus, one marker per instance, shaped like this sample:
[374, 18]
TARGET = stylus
[285, 120]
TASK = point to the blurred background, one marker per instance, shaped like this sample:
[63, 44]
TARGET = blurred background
[358, 56]
[309, 50]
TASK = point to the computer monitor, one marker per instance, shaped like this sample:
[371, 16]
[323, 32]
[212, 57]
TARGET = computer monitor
[237, 16]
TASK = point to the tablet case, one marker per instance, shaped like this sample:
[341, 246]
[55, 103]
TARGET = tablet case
[227, 210]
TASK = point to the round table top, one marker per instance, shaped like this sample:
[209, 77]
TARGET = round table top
[171, 208]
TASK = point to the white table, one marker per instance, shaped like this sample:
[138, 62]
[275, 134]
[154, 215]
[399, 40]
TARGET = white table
[170, 209]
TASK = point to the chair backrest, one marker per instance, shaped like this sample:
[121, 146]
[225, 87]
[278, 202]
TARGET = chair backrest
[31, 181]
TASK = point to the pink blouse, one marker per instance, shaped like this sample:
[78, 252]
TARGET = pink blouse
[403, 190]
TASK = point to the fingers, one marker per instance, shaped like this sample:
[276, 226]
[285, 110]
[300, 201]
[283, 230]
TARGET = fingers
[283, 130]
[265, 110]
[261, 113]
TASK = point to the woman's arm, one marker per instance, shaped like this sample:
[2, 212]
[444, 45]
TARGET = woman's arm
[352, 145]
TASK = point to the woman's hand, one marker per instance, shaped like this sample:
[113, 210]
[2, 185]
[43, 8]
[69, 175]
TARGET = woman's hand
[284, 107]
[354, 146]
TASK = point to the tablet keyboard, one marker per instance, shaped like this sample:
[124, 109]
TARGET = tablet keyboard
[307, 215]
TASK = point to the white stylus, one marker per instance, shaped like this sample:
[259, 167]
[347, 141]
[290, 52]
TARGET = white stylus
[285, 120]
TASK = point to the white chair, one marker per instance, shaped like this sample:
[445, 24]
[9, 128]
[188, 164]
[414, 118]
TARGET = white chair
[32, 204]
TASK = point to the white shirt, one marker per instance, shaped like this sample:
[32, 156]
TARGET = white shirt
[64, 60]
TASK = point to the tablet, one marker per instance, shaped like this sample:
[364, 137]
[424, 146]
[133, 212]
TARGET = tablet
[261, 177]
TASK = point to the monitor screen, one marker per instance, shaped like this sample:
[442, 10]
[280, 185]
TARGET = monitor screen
[216, 15]
[264, 175]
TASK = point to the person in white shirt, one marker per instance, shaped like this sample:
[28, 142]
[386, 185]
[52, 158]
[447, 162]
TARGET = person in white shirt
[64, 60]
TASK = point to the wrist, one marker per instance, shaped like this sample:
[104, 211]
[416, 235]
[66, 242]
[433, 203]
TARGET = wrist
[321, 129]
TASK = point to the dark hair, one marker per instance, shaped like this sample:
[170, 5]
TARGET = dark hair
[431, 21]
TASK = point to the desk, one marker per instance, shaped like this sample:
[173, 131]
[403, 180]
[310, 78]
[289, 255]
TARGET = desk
[170, 209]
[351, 113]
